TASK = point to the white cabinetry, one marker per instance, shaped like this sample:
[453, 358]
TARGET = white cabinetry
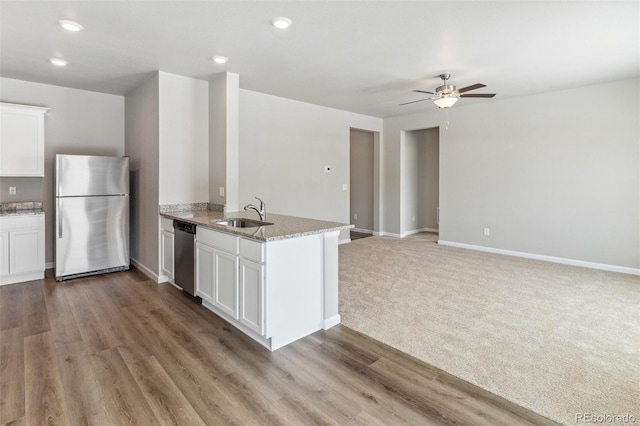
[21, 140]
[252, 295]
[21, 248]
[217, 270]
[166, 248]
[272, 291]
[251, 307]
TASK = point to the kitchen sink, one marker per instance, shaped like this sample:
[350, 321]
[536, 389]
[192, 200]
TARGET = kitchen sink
[241, 223]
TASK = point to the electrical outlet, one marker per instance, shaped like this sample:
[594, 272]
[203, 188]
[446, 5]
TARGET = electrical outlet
[345, 187]
[221, 191]
[12, 190]
[486, 231]
[355, 216]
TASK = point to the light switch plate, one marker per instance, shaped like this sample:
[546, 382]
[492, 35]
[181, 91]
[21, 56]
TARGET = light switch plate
[12, 190]
[345, 187]
[221, 191]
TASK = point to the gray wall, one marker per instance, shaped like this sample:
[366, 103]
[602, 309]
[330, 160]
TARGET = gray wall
[142, 106]
[284, 146]
[361, 178]
[555, 174]
[79, 122]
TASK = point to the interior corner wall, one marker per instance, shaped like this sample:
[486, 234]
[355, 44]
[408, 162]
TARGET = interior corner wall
[224, 125]
[78, 122]
[284, 147]
[183, 139]
[142, 116]
[555, 174]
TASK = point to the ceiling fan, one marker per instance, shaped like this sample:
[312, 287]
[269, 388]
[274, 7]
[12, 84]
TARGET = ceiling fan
[447, 94]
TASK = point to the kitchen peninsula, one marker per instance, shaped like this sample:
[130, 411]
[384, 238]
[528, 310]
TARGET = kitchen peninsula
[277, 283]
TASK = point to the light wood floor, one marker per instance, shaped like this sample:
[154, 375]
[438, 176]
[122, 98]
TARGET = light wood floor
[120, 349]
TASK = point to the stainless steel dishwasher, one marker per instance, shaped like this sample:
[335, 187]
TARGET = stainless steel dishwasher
[184, 249]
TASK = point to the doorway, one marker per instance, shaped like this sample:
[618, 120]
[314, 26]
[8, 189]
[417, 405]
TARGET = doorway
[420, 181]
[362, 182]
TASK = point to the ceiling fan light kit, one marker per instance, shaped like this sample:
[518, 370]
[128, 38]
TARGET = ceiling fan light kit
[446, 101]
[447, 95]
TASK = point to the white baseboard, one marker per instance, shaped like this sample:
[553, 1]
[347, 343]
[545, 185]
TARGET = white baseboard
[330, 322]
[417, 231]
[148, 272]
[387, 234]
[344, 241]
[562, 260]
[364, 231]
[49, 265]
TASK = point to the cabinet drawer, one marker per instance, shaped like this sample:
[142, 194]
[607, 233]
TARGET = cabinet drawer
[167, 224]
[252, 250]
[21, 222]
[219, 240]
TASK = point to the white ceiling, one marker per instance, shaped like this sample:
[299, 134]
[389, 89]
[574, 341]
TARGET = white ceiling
[360, 56]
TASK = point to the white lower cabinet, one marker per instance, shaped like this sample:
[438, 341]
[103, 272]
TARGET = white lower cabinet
[166, 248]
[271, 291]
[252, 295]
[225, 282]
[21, 248]
[204, 271]
[4, 253]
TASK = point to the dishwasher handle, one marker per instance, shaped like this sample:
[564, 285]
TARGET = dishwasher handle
[189, 228]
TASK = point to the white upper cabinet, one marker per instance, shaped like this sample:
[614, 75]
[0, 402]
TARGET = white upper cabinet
[21, 140]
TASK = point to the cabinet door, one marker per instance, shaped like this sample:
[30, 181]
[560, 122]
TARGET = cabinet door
[204, 271]
[252, 295]
[167, 253]
[4, 253]
[225, 282]
[22, 141]
[25, 246]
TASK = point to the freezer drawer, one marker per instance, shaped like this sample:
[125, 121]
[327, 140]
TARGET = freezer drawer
[92, 234]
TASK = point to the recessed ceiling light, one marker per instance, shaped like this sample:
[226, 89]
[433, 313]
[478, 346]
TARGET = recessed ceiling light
[220, 59]
[70, 26]
[59, 62]
[281, 22]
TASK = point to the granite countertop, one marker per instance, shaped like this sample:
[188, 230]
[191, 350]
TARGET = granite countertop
[25, 208]
[283, 227]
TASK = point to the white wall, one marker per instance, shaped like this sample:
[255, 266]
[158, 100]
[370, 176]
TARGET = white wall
[284, 146]
[79, 122]
[361, 172]
[142, 130]
[555, 174]
[183, 139]
[224, 139]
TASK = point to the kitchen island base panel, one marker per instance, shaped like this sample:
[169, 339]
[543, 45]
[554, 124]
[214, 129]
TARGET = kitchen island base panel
[293, 302]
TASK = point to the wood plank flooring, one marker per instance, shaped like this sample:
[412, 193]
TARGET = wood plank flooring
[120, 349]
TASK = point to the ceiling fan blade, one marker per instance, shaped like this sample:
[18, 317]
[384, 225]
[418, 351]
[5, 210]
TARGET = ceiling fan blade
[424, 91]
[413, 102]
[478, 95]
[472, 87]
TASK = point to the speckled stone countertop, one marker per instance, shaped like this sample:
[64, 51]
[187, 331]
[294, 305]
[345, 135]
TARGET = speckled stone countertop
[26, 208]
[283, 227]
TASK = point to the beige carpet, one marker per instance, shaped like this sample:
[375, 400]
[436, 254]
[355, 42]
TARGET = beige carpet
[559, 340]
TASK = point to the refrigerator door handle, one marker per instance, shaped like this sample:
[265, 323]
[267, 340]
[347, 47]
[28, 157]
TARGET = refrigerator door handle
[59, 217]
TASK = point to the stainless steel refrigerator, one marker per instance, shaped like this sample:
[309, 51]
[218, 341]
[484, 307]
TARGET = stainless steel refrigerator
[92, 215]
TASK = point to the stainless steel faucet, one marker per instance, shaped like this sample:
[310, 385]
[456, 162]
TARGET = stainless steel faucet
[262, 211]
